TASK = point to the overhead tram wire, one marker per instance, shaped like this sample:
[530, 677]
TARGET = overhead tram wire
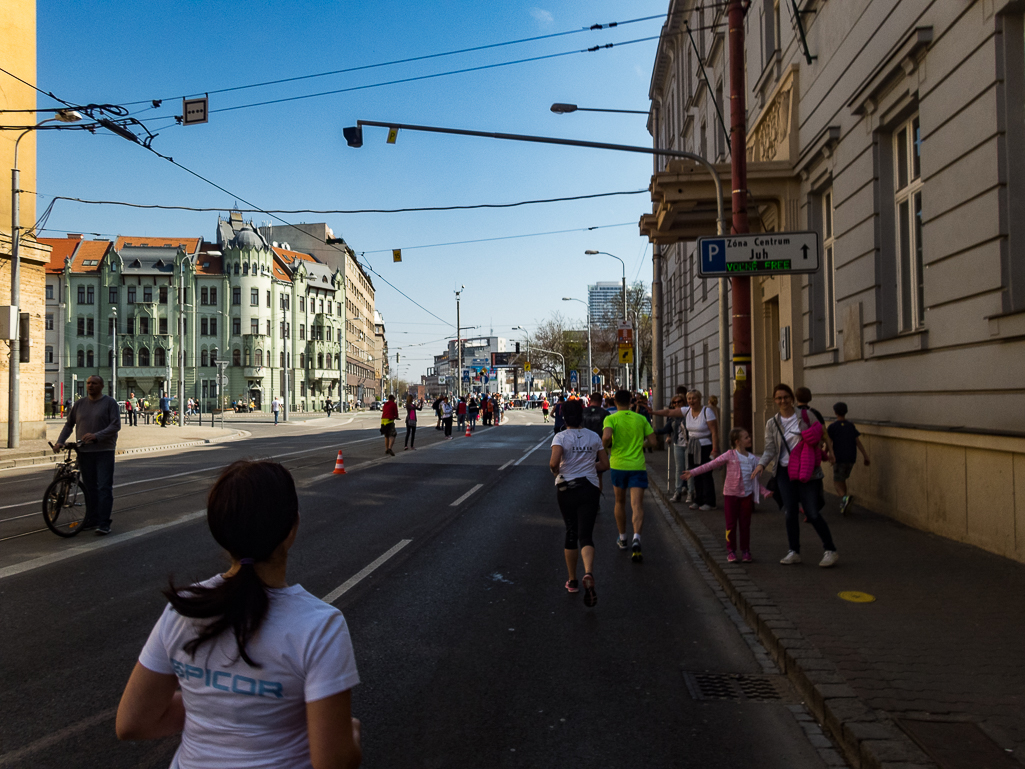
[425, 57]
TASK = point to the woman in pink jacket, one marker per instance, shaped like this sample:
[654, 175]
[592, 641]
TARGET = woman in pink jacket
[740, 492]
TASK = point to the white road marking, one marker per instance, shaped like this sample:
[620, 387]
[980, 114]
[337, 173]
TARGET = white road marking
[18, 756]
[544, 440]
[506, 464]
[467, 495]
[96, 544]
[365, 572]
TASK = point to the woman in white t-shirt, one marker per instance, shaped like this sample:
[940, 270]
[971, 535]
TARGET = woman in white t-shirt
[251, 671]
[577, 457]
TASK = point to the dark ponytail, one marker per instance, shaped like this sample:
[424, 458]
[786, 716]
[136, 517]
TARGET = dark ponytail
[251, 509]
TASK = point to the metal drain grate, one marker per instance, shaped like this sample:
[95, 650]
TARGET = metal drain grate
[748, 687]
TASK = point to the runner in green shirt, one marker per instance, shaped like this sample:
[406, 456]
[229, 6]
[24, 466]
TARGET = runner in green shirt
[625, 435]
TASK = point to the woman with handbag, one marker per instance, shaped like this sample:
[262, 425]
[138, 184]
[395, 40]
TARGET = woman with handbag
[792, 441]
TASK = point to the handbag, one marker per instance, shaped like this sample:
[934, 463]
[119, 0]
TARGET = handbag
[773, 484]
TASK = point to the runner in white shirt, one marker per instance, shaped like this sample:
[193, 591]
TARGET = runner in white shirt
[251, 671]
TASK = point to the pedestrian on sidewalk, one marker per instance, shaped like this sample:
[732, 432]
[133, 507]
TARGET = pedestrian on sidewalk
[275, 406]
[624, 436]
[461, 412]
[676, 437]
[165, 410]
[96, 420]
[446, 416]
[389, 413]
[131, 415]
[846, 445]
[702, 445]
[544, 408]
[741, 492]
[802, 396]
[473, 411]
[250, 670]
[578, 460]
[784, 432]
[411, 409]
[496, 410]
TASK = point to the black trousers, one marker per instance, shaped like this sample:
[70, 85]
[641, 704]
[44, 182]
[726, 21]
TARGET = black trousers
[579, 508]
[704, 484]
[447, 421]
[410, 434]
[97, 469]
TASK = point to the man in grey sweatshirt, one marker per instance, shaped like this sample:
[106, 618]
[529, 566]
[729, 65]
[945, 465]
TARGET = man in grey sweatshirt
[96, 420]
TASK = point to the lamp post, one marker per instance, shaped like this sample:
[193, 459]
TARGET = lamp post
[590, 252]
[590, 370]
[459, 347]
[14, 372]
[561, 109]
[113, 354]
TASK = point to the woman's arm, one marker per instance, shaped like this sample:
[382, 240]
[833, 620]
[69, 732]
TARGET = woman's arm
[603, 461]
[556, 460]
[334, 734]
[772, 448]
[713, 427]
[678, 413]
[151, 706]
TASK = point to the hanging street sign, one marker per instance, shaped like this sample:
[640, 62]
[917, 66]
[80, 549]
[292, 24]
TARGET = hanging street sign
[625, 334]
[526, 366]
[195, 111]
[767, 253]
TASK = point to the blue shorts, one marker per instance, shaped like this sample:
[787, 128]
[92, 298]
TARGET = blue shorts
[630, 479]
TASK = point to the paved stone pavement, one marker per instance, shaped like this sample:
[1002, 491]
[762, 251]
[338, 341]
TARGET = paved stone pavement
[942, 642]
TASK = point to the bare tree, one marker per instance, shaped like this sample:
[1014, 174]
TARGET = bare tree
[604, 333]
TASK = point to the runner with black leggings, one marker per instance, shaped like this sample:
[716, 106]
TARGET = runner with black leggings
[578, 456]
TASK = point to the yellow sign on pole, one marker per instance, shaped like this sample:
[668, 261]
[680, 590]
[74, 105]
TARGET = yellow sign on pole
[393, 134]
[396, 254]
[526, 366]
[626, 354]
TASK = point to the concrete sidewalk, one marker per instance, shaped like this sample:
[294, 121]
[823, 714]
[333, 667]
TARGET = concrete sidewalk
[929, 673]
[131, 440]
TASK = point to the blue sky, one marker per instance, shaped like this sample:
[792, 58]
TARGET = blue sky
[293, 156]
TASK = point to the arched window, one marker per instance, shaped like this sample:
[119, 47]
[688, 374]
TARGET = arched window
[204, 359]
[89, 359]
[259, 357]
[159, 357]
[320, 360]
[236, 357]
[282, 364]
[144, 356]
[302, 360]
[245, 268]
[236, 268]
[213, 355]
[249, 357]
[203, 296]
[255, 270]
[128, 357]
[81, 358]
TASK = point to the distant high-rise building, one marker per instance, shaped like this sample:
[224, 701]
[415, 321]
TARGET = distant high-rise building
[605, 299]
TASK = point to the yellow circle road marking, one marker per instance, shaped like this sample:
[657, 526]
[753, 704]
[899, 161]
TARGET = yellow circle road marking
[856, 596]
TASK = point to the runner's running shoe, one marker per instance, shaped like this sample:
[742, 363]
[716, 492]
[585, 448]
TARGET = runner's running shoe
[635, 552]
[590, 597]
[572, 587]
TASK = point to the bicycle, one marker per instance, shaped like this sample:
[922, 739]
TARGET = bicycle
[159, 418]
[64, 500]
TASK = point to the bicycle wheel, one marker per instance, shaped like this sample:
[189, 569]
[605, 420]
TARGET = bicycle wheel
[64, 506]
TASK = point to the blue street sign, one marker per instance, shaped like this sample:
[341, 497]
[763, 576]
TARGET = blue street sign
[596, 380]
[574, 378]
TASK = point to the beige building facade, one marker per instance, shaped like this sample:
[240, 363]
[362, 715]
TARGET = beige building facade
[18, 56]
[895, 131]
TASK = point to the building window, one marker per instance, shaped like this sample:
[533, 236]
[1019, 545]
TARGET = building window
[828, 271]
[236, 326]
[163, 294]
[162, 325]
[213, 296]
[144, 356]
[143, 325]
[254, 297]
[204, 359]
[268, 328]
[90, 295]
[302, 330]
[49, 322]
[131, 295]
[248, 357]
[268, 298]
[49, 290]
[236, 295]
[203, 327]
[112, 295]
[245, 268]
[236, 268]
[236, 357]
[302, 360]
[259, 357]
[90, 361]
[130, 325]
[281, 358]
[80, 359]
[159, 357]
[254, 326]
[213, 326]
[302, 304]
[81, 294]
[203, 296]
[90, 329]
[908, 200]
[320, 360]
[281, 329]
[49, 354]
[147, 293]
[128, 357]
[329, 333]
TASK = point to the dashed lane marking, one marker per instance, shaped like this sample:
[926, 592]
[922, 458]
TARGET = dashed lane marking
[544, 440]
[467, 495]
[363, 573]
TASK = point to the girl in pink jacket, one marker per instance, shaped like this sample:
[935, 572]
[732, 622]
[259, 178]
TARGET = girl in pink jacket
[740, 492]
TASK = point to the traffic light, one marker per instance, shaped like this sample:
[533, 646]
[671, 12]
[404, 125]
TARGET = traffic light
[517, 348]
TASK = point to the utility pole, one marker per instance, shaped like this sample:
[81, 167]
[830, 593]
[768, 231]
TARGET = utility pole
[738, 150]
[113, 355]
[459, 348]
[181, 347]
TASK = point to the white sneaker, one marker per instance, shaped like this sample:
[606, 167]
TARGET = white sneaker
[792, 558]
[706, 507]
[829, 558]
[675, 497]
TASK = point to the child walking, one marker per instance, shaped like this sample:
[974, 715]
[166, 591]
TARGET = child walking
[740, 492]
[846, 445]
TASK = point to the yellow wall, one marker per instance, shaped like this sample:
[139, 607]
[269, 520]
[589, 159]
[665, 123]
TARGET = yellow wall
[18, 55]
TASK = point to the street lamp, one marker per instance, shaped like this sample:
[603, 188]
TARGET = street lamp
[561, 109]
[590, 370]
[589, 252]
[14, 373]
[459, 346]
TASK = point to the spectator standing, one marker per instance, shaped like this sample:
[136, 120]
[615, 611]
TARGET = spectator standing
[624, 435]
[131, 416]
[783, 432]
[446, 416]
[676, 436]
[254, 634]
[461, 412]
[165, 410]
[846, 442]
[702, 445]
[411, 409]
[96, 420]
[275, 407]
[389, 413]
[473, 411]
[327, 407]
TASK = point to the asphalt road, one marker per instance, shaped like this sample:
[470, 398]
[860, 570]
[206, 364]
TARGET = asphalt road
[447, 563]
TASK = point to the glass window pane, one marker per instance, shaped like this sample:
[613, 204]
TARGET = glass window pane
[827, 214]
[902, 158]
[916, 149]
[919, 266]
[904, 275]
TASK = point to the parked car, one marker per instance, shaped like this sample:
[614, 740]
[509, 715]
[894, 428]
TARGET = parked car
[375, 406]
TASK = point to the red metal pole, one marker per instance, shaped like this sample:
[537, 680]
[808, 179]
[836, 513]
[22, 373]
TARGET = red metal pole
[741, 286]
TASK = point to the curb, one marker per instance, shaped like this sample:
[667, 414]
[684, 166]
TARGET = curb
[48, 457]
[869, 739]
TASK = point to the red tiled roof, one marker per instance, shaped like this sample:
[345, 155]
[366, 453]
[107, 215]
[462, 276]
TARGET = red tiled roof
[61, 249]
[208, 264]
[191, 245]
[278, 271]
[291, 256]
[89, 250]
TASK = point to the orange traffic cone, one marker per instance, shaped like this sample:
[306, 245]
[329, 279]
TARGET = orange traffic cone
[339, 464]
[468, 430]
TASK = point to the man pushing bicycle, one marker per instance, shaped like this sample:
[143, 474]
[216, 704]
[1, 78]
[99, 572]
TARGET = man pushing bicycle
[96, 421]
